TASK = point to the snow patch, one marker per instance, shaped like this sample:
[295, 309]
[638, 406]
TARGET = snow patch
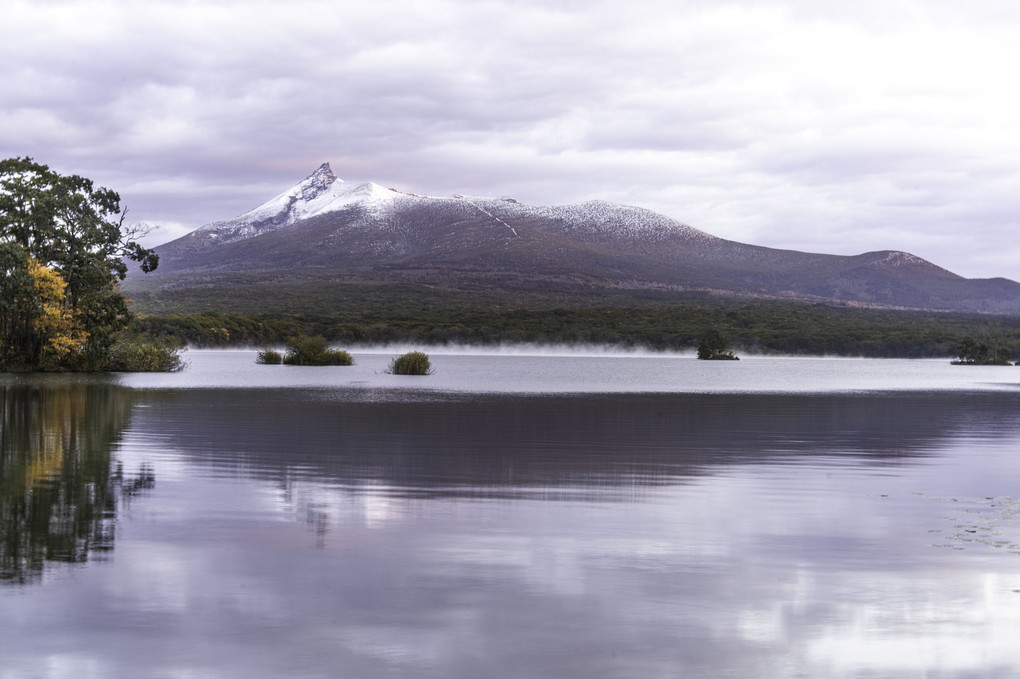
[599, 217]
[897, 258]
[322, 193]
[489, 214]
[318, 194]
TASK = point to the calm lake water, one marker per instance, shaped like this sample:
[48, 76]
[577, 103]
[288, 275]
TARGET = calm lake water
[513, 515]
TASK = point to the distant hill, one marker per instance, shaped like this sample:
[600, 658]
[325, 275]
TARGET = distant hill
[325, 229]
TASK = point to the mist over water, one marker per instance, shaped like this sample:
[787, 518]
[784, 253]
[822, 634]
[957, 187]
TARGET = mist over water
[562, 370]
[527, 349]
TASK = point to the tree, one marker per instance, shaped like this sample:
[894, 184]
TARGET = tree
[714, 347]
[979, 353]
[56, 327]
[19, 344]
[62, 249]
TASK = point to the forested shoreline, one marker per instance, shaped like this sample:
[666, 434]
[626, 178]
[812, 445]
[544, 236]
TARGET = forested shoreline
[750, 327]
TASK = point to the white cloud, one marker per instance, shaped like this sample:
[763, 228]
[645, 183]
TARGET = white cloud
[789, 123]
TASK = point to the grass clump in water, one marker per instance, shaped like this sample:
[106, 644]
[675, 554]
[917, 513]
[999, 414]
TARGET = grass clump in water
[269, 357]
[137, 355]
[411, 363]
[304, 350]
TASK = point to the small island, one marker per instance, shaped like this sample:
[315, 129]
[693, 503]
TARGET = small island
[304, 350]
[715, 347]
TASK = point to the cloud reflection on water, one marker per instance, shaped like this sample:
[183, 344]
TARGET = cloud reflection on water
[307, 532]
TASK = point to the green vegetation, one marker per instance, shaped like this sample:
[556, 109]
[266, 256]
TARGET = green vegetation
[62, 250]
[269, 357]
[411, 363]
[714, 347]
[379, 314]
[304, 350]
[980, 353]
[133, 354]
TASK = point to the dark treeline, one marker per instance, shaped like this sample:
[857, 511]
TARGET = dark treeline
[765, 327]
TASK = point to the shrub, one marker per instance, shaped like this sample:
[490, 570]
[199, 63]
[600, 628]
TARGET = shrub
[269, 357]
[411, 363]
[304, 350]
[137, 355]
[336, 357]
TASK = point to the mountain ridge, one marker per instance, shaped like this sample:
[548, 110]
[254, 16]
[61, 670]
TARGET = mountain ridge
[365, 232]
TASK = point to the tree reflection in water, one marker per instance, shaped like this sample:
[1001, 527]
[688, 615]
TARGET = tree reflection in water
[59, 486]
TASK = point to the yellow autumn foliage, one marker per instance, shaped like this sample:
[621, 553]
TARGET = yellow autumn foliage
[57, 324]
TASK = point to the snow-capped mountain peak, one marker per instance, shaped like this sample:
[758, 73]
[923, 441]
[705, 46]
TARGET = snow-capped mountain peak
[319, 193]
[322, 193]
[357, 232]
[294, 201]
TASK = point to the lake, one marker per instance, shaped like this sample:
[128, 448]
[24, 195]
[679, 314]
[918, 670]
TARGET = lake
[516, 514]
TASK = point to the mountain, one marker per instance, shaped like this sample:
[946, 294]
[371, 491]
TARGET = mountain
[334, 231]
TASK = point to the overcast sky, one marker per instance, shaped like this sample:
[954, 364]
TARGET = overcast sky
[837, 127]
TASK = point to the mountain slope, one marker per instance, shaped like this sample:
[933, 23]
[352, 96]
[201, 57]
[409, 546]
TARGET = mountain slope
[365, 232]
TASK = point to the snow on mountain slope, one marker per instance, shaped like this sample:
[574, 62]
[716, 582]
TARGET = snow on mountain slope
[595, 219]
[322, 193]
[319, 193]
[364, 232]
[601, 217]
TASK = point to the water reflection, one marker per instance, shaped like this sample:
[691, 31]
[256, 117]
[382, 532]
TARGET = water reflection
[324, 532]
[58, 486]
[547, 446]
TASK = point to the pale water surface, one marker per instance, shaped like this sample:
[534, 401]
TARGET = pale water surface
[513, 515]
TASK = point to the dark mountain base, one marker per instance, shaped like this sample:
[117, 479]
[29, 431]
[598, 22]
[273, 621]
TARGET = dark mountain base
[356, 313]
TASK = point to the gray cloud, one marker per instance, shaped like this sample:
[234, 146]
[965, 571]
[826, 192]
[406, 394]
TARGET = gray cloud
[786, 123]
